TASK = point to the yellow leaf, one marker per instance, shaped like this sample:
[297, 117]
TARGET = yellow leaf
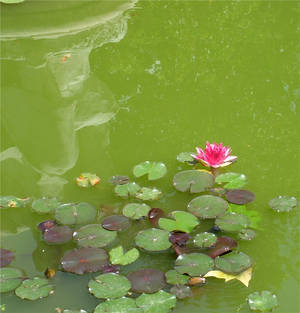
[243, 277]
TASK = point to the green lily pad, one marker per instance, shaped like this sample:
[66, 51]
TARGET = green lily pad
[205, 240]
[159, 302]
[174, 278]
[11, 1]
[155, 170]
[70, 214]
[136, 210]
[283, 203]
[119, 180]
[94, 235]
[122, 305]
[33, 289]
[117, 256]
[193, 181]
[10, 278]
[109, 286]
[153, 239]
[126, 190]
[194, 264]
[183, 221]
[207, 206]
[12, 202]
[233, 263]
[185, 157]
[45, 205]
[253, 215]
[232, 222]
[232, 180]
[247, 234]
[86, 180]
[146, 193]
[264, 301]
[181, 291]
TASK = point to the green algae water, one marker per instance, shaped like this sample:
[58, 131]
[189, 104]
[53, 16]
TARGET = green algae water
[102, 86]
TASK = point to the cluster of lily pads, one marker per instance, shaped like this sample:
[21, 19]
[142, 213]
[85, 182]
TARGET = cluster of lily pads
[197, 254]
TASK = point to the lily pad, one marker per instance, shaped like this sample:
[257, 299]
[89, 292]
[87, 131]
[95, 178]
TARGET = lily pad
[126, 190]
[94, 235]
[174, 278]
[194, 264]
[146, 193]
[253, 215]
[185, 157]
[239, 196]
[119, 180]
[136, 210]
[6, 257]
[33, 289]
[205, 240]
[58, 234]
[193, 181]
[181, 291]
[179, 238]
[84, 260]
[159, 302]
[11, 1]
[232, 222]
[232, 180]
[223, 245]
[122, 305]
[115, 222]
[183, 221]
[43, 226]
[155, 170]
[109, 286]
[45, 205]
[247, 234]
[233, 263]
[153, 239]
[73, 311]
[12, 202]
[109, 268]
[147, 280]
[154, 215]
[10, 278]
[283, 203]
[207, 206]
[86, 180]
[70, 214]
[264, 301]
[117, 256]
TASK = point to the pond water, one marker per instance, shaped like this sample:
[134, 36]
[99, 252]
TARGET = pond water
[101, 86]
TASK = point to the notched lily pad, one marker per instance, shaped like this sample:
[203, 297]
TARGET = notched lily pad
[136, 210]
[153, 239]
[33, 289]
[119, 180]
[109, 286]
[10, 279]
[115, 222]
[149, 194]
[207, 206]
[233, 263]
[263, 302]
[45, 205]
[223, 245]
[194, 264]
[181, 291]
[87, 180]
[154, 215]
[185, 157]
[232, 222]
[70, 214]
[6, 257]
[183, 221]
[205, 240]
[283, 203]
[193, 181]
[84, 260]
[122, 305]
[12, 202]
[155, 170]
[239, 196]
[247, 234]
[232, 180]
[174, 278]
[126, 190]
[117, 256]
[253, 215]
[58, 234]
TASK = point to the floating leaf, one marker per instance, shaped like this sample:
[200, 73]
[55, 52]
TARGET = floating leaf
[223, 245]
[126, 190]
[207, 206]
[264, 301]
[117, 256]
[11, 1]
[232, 222]
[43, 226]
[194, 264]
[136, 210]
[154, 215]
[233, 180]
[58, 234]
[205, 240]
[33, 289]
[94, 235]
[243, 277]
[193, 181]
[12, 202]
[84, 260]
[10, 278]
[155, 170]
[181, 291]
[109, 268]
[179, 238]
[146, 193]
[87, 180]
[233, 263]
[109, 285]
[183, 221]
[159, 302]
[247, 234]
[115, 222]
[239, 196]
[283, 203]
[174, 278]
[6, 257]
[119, 180]
[153, 239]
[253, 215]
[147, 280]
[45, 205]
[71, 311]
[70, 214]
[185, 157]
[122, 305]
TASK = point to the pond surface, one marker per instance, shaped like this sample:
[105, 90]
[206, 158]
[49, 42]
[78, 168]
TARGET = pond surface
[101, 86]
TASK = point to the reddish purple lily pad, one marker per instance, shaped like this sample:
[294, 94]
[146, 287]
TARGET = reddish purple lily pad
[239, 196]
[147, 280]
[181, 250]
[84, 260]
[223, 245]
[154, 215]
[58, 234]
[110, 268]
[179, 238]
[46, 225]
[116, 222]
[6, 257]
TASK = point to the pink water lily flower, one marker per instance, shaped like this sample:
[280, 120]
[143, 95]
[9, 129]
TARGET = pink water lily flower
[214, 155]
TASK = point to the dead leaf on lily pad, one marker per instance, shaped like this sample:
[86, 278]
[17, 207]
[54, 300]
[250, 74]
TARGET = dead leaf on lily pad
[243, 277]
